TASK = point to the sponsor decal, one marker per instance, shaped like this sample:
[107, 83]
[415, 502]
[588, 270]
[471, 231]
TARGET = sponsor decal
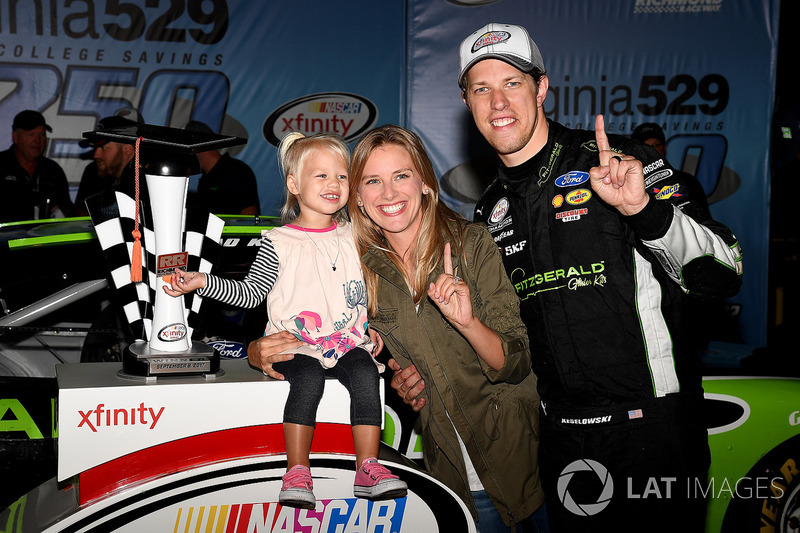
[558, 201]
[102, 416]
[167, 263]
[503, 235]
[345, 514]
[576, 177]
[346, 114]
[794, 418]
[578, 196]
[572, 278]
[514, 248]
[658, 176]
[655, 165]
[544, 172]
[500, 225]
[499, 211]
[236, 242]
[172, 332]
[229, 349]
[670, 191]
[490, 38]
[677, 6]
[572, 214]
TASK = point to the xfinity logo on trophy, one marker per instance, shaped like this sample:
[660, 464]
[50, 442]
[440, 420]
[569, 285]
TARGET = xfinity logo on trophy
[102, 416]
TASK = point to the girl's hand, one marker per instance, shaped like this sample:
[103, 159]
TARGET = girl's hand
[376, 339]
[180, 282]
[451, 295]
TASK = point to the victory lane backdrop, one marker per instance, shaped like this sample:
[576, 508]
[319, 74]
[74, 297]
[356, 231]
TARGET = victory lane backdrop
[259, 69]
[239, 66]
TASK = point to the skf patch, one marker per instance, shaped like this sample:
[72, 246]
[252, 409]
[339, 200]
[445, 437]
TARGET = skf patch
[578, 196]
[572, 214]
[558, 201]
[669, 191]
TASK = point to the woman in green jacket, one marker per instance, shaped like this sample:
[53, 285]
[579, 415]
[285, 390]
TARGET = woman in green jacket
[439, 296]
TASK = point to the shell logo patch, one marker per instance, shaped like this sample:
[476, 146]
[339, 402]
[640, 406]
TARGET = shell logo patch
[578, 196]
[558, 201]
[668, 192]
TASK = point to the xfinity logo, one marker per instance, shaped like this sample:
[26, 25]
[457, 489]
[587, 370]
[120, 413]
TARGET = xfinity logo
[102, 416]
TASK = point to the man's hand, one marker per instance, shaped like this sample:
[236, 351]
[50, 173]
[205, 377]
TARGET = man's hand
[408, 384]
[619, 180]
[266, 351]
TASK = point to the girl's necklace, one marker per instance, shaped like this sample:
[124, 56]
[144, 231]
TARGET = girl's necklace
[326, 256]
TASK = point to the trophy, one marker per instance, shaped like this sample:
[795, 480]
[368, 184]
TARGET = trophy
[142, 259]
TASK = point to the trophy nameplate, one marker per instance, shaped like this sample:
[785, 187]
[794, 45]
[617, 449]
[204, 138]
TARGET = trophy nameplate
[142, 360]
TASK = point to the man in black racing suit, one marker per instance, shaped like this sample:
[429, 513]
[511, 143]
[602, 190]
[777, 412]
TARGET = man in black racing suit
[604, 272]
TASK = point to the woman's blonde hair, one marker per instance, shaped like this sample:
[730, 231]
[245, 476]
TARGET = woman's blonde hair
[436, 216]
[293, 150]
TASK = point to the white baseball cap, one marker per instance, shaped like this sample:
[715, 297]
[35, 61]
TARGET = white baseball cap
[505, 42]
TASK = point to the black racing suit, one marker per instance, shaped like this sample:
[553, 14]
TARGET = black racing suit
[603, 296]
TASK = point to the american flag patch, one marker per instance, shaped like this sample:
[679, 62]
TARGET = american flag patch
[635, 413]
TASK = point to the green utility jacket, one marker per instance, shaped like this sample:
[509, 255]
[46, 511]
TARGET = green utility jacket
[496, 412]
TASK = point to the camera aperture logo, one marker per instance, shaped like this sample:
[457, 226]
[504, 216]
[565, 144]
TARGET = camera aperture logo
[583, 508]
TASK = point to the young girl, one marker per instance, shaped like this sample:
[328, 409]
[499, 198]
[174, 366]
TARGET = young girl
[309, 272]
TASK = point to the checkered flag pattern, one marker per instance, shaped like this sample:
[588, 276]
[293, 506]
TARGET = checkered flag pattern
[113, 216]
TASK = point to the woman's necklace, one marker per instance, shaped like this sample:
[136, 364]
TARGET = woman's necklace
[326, 256]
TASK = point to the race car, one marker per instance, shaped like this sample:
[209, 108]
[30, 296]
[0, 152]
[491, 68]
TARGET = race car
[58, 307]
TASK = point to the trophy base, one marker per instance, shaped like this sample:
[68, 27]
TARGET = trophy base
[138, 359]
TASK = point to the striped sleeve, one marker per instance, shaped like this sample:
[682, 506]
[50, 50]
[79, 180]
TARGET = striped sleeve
[253, 289]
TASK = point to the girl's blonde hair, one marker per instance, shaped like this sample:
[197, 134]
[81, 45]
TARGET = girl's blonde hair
[293, 151]
[437, 219]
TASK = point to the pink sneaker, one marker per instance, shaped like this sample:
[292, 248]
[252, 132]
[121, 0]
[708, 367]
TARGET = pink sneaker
[375, 482]
[297, 488]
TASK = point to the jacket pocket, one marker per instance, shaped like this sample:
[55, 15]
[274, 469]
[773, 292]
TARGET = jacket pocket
[385, 321]
[528, 415]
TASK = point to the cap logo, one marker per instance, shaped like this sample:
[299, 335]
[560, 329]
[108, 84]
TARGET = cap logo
[490, 38]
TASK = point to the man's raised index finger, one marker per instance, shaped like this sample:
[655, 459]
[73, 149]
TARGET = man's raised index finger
[600, 134]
